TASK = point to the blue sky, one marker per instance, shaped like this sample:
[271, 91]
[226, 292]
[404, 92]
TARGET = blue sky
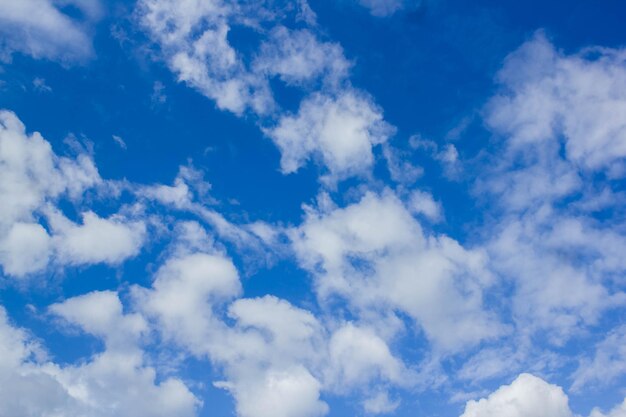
[306, 209]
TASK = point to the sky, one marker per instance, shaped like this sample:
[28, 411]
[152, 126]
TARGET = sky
[312, 208]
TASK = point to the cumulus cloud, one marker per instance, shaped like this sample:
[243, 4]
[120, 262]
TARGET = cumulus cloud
[335, 125]
[33, 180]
[192, 37]
[114, 382]
[530, 396]
[96, 240]
[340, 130]
[298, 57]
[41, 29]
[557, 154]
[396, 266]
[527, 396]
[581, 97]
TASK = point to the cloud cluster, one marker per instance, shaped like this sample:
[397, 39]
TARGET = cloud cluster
[560, 119]
[336, 124]
[530, 396]
[396, 266]
[41, 29]
[33, 232]
[114, 382]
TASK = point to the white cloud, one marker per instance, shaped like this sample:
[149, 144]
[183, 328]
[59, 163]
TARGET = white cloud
[581, 98]
[358, 357]
[336, 125]
[560, 120]
[530, 396]
[384, 8]
[39, 28]
[395, 266]
[421, 202]
[618, 411]
[96, 240]
[380, 404]
[25, 249]
[33, 179]
[112, 383]
[192, 37]
[298, 57]
[527, 396]
[292, 392]
[340, 130]
[607, 363]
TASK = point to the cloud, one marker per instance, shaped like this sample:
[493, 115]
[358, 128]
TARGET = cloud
[527, 396]
[41, 29]
[336, 125]
[97, 240]
[581, 98]
[618, 411]
[340, 130]
[606, 364]
[385, 8]
[397, 267]
[554, 162]
[530, 396]
[33, 181]
[114, 382]
[192, 38]
[182, 296]
[298, 57]
[358, 357]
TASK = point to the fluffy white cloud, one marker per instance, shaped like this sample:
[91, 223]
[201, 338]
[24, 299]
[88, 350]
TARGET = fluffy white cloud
[340, 130]
[263, 356]
[298, 57]
[618, 411]
[274, 349]
[112, 383]
[336, 124]
[192, 36]
[290, 392]
[32, 173]
[33, 178]
[182, 297]
[527, 396]
[530, 396]
[396, 266]
[96, 240]
[546, 236]
[40, 28]
[581, 97]
[359, 356]
[25, 249]
[607, 363]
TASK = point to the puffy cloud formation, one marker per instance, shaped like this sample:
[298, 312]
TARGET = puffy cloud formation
[335, 125]
[114, 382]
[530, 396]
[547, 235]
[297, 57]
[527, 396]
[396, 266]
[581, 97]
[33, 179]
[39, 28]
[340, 130]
